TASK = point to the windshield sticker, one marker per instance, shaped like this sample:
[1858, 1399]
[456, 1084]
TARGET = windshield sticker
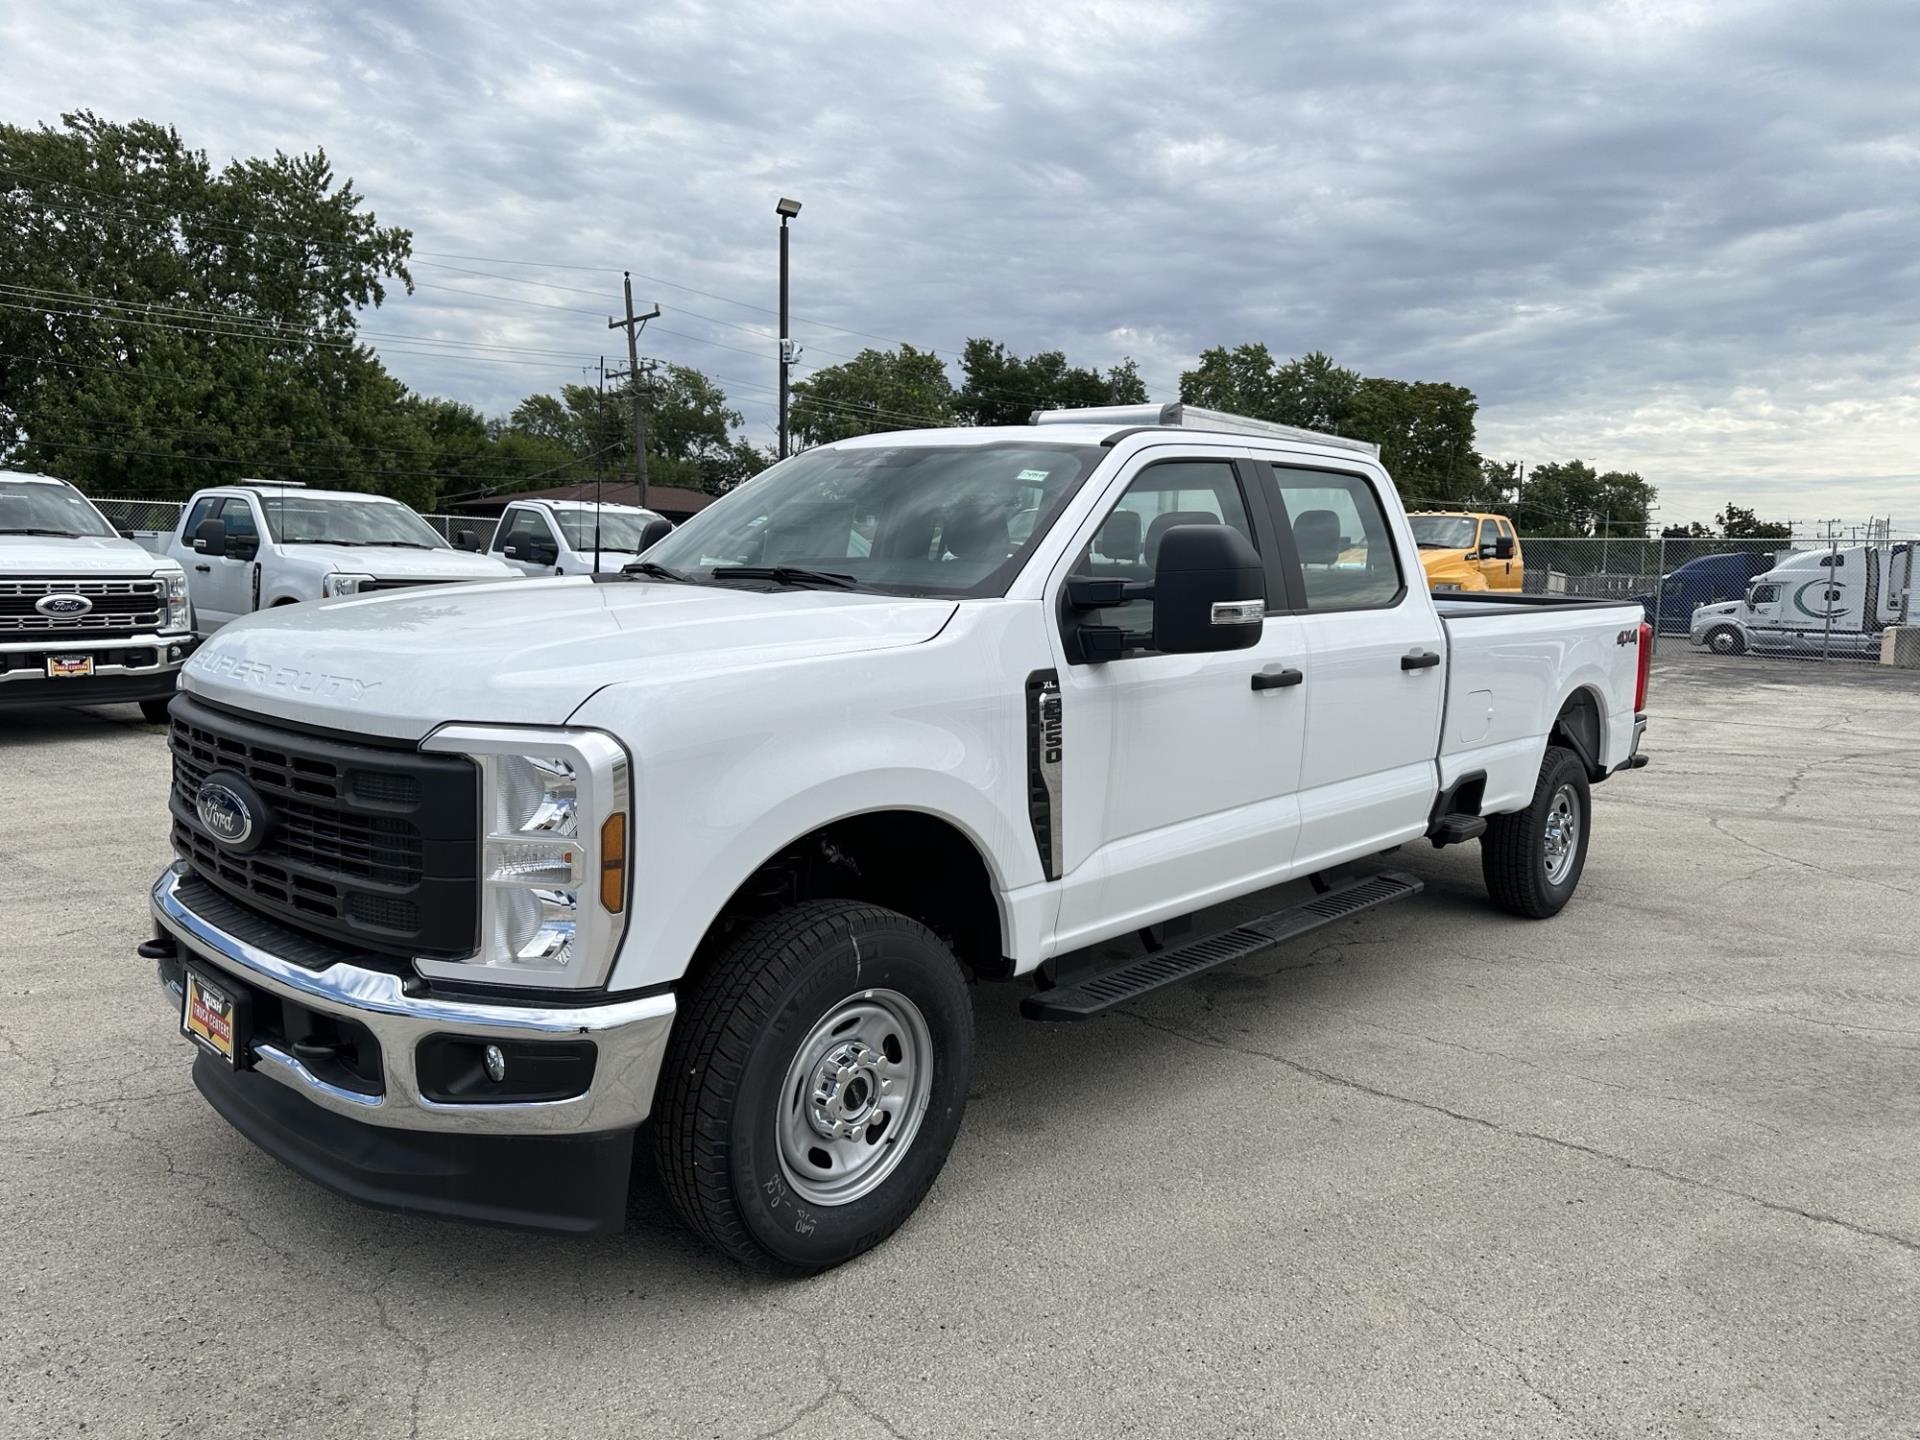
[1031, 475]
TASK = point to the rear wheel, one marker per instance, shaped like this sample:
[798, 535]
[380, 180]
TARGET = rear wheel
[1726, 641]
[813, 1084]
[1532, 858]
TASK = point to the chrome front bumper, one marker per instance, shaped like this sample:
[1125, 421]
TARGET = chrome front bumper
[629, 1036]
[52, 640]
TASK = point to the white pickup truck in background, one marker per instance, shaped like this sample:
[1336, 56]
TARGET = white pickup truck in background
[259, 544]
[87, 616]
[470, 884]
[569, 537]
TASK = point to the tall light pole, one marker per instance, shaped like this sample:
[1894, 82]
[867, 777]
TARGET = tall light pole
[786, 210]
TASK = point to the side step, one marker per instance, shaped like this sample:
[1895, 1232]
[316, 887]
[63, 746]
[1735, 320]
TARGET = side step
[1457, 829]
[1089, 997]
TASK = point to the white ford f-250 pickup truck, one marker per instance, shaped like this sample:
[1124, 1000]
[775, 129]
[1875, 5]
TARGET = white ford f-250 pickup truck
[87, 617]
[471, 883]
[261, 543]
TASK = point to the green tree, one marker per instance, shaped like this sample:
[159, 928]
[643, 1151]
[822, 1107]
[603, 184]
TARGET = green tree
[1739, 523]
[1693, 530]
[1000, 388]
[904, 389]
[164, 325]
[1570, 497]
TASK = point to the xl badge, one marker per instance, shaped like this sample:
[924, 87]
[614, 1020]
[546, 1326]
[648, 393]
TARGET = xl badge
[230, 811]
[63, 605]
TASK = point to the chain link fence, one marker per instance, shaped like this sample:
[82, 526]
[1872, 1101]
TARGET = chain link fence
[1831, 599]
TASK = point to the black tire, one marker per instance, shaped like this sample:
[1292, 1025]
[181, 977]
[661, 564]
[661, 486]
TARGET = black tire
[154, 711]
[1726, 641]
[1514, 853]
[723, 1094]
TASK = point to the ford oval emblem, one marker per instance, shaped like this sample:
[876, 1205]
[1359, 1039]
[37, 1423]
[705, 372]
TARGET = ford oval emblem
[63, 605]
[224, 814]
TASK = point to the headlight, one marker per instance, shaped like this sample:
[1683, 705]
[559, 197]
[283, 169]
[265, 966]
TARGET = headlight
[333, 585]
[179, 615]
[553, 854]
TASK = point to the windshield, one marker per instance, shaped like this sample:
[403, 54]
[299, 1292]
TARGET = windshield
[1444, 532]
[309, 520]
[28, 508]
[906, 519]
[619, 529]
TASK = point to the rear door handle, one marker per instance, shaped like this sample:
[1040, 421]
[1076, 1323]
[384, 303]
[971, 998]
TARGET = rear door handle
[1419, 660]
[1276, 679]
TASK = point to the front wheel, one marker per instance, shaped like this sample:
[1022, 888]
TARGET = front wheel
[1726, 641]
[1532, 858]
[813, 1084]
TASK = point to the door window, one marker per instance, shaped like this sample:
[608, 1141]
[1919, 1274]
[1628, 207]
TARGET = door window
[1125, 547]
[237, 515]
[1340, 536]
[524, 529]
[202, 510]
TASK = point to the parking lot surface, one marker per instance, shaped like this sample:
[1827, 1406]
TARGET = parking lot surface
[1648, 1168]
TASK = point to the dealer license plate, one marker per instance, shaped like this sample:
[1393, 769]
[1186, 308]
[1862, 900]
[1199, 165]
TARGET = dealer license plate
[212, 1016]
[69, 667]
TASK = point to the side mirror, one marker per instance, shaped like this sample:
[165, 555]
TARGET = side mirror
[1209, 591]
[210, 538]
[512, 552]
[243, 547]
[653, 532]
[1503, 548]
[542, 554]
[466, 540]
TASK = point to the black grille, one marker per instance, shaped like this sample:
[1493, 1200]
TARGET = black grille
[371, 846]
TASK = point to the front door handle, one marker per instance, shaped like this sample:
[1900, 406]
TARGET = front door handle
[1419, 660]
[1276, 679]
[204, 569]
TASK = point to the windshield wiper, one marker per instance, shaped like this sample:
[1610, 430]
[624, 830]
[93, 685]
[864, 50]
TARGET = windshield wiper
[786, 575]
[35, 530]
[394, 544]
[654, 570]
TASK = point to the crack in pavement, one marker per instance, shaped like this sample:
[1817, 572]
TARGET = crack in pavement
[1553, 1402]
[1713, 821]
[1346, 1082]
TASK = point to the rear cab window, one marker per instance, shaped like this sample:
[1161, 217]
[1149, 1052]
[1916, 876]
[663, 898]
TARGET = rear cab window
[1341, 539]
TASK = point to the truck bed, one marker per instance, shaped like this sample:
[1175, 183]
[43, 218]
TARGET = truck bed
[1513, 661]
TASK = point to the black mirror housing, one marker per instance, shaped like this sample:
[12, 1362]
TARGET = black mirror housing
[210, 538]
[654, 531]
[466, 540]
[542, 555]
[1503, 548]
[1209, 591]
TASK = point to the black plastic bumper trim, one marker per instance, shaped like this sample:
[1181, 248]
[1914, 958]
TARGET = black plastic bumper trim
[560, 1184]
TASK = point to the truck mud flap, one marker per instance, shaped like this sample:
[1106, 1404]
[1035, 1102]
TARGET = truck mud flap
[1087, 998]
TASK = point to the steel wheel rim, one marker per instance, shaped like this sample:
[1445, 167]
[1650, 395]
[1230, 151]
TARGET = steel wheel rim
[1560, 839]
[854, 1097]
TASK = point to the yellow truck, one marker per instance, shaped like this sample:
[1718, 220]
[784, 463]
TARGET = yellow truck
[1468, 550]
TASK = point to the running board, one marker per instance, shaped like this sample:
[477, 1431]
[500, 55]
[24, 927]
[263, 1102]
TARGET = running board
[1087, 998]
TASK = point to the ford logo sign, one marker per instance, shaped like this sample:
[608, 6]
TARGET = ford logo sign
[230, 812]
[63, 605]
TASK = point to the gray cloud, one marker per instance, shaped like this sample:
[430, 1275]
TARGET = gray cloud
[1671, 237]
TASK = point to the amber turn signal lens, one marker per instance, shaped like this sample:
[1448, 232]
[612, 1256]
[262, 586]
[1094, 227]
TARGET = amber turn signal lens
[613, 863]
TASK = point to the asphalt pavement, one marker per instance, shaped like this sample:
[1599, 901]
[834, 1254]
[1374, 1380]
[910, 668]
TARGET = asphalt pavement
[1649, 1168]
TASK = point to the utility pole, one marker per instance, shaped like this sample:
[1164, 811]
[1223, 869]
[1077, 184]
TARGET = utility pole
[633, 324]
[786, 210]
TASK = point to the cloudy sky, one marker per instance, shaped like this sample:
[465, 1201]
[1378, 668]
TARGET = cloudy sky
[1677, 237]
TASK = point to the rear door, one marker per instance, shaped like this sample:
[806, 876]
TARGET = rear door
[1177, 774]
[1377, 681]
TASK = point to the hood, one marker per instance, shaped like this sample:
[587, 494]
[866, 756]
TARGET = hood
[1725, 607]
[527, 653]
[1450, 566]
[77, 555]
[397, 562]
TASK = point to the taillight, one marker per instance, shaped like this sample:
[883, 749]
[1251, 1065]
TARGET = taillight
[1646, 668]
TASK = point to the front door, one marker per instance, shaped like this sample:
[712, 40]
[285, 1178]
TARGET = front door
[1377, 681]
[222, 585]
[526, 541]
[1177, 775]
